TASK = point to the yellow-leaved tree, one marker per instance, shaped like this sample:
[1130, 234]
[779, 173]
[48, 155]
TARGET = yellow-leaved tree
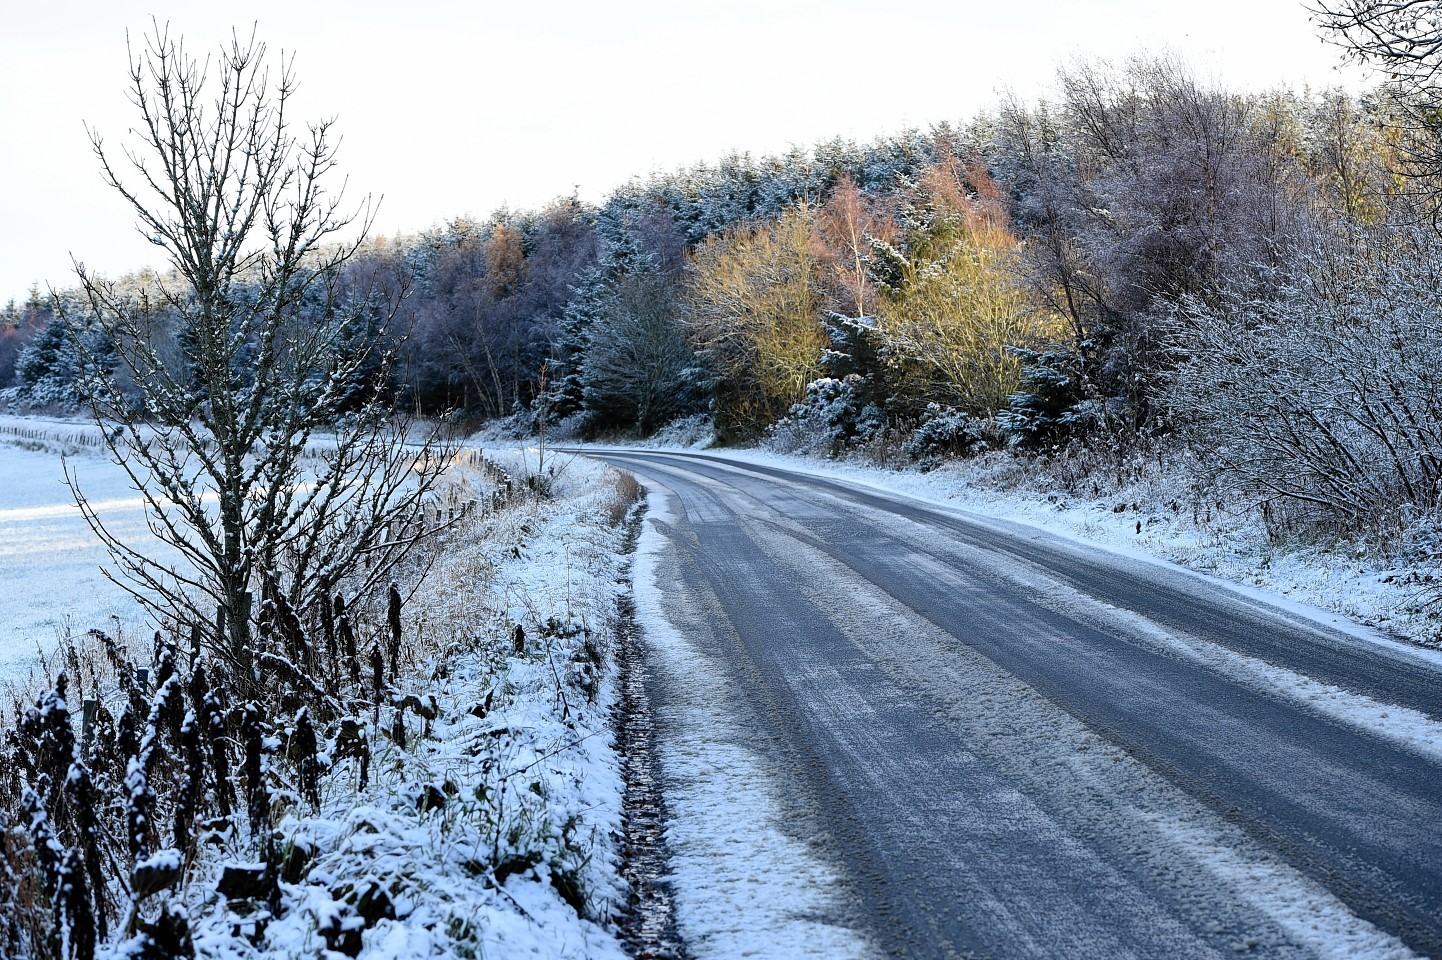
[957, 303]
[754, 310]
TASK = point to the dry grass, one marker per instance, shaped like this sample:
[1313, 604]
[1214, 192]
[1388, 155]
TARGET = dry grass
[627, 493]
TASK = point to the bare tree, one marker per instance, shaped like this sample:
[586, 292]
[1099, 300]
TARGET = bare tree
[263, 448]
[1141, 188]
[1402, 39]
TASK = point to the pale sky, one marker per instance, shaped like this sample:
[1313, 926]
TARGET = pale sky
[450, 109]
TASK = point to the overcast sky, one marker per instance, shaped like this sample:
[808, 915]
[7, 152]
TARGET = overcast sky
[456, 108]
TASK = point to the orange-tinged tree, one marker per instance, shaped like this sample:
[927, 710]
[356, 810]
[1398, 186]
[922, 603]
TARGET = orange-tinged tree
[505, 261]
[845, 227]
[960, 303]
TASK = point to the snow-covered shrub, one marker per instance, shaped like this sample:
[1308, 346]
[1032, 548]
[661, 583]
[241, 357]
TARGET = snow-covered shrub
[1054, 404]
[946, 432]
[831, 418]
[1321, 401]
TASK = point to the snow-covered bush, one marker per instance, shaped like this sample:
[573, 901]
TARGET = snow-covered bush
[832, 418]
[1321, 401]
[1055, 402]
[944, 432]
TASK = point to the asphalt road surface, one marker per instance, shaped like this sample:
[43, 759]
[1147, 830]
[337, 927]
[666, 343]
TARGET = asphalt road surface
[1013, 745]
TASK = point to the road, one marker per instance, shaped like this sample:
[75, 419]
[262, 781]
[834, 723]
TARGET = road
[1009, 744]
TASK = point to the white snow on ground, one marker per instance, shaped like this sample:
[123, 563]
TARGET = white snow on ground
[534, 780]
[49, 559]
[746, 889]
[1309, 914]
[1403, 726]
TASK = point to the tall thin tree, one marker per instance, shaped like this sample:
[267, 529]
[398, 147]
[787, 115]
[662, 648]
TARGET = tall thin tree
[264, 450]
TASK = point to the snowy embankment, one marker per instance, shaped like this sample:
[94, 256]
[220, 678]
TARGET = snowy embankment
[493, 832]
[489, 819]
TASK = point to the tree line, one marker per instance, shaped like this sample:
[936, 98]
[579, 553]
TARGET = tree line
[1143, 259]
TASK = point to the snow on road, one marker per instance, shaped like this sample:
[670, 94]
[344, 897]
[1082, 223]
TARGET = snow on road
[1346, 589]
[747, 887]
[1349, 590]
[740, 848]
[1406, 727]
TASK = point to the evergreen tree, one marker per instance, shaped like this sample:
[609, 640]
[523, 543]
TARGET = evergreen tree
[49, 368]
[567, 395]
[636, 370]
[1053, 403]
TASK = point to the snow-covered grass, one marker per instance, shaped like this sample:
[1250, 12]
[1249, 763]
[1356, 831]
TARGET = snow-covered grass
[488, 823]
[494, 833]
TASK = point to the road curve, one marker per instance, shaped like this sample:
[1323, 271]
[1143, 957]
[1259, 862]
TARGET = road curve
[1013, 745]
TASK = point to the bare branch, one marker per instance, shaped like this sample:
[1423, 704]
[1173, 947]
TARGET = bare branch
[261, 447]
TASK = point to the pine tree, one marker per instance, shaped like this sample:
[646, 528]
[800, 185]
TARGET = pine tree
[49, 367]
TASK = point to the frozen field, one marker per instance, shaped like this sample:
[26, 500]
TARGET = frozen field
[49, 560]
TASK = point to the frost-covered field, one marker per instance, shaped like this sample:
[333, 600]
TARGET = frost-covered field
[49, 560]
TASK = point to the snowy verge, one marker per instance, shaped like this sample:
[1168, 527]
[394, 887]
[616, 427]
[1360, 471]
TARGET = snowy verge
[491, 830]
[483, 819]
